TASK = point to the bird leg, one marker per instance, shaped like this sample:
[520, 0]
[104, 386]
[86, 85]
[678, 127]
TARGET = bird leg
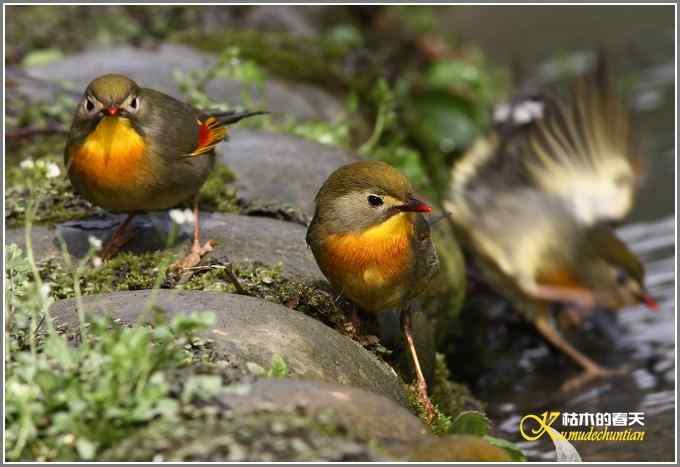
[591, 370]
[198, 251]
[421, 384]
[119, 237]
[353, 324]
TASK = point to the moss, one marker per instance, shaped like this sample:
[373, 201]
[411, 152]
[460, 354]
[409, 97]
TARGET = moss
[318, 60]
[273, 436]
[125, 271]
[452, 398]
[268, 283]
[216, 193]
[449, 398]
[56, 200]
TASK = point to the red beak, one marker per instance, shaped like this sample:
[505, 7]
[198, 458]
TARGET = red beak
[649, 301]
[113, 110]
[415, 205]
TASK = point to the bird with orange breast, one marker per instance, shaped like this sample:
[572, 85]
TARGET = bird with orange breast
[132, 149]
[371, 241]
[534, 204]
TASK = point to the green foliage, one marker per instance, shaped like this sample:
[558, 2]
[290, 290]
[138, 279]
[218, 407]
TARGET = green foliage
[217, 193]
[229, 65]
[511, 448]
[384, 101]
[318, 60]
[41, 185]
[278, 368]
[471, 422]
[42, 57]
[75, 394]
[125, 271]
[335, 134]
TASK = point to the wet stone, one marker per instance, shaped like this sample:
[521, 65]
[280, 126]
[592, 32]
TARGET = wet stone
[156, 68]
[253, 331]
[239, 238]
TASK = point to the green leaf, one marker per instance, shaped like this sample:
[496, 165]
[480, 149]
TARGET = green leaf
[471, 423]
[42, 57]
[447, 72]
[57, 348]
[515, 453]
[183, 324]
[279, 368]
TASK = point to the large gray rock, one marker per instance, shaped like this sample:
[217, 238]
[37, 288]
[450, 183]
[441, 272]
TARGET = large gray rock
[248, 329]
[280, 168]
[156, 68]
[370, 415]
[239, 238]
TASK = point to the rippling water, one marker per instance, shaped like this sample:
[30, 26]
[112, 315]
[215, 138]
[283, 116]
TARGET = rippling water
[641, 41]
[647, 347]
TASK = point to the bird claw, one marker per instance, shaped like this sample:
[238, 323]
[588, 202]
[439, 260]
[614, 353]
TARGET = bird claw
[588, 376]
[194, 257]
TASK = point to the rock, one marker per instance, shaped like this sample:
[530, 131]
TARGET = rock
[251, 330]
[156, 69]
[303, 22]
[458, 448]
[263, 437]
[277, 168]
[370, 415]
[240, 238]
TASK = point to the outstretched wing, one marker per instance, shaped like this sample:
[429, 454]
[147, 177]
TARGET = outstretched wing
[580, 149]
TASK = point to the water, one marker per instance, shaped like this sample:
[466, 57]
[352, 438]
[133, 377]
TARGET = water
[640, 42]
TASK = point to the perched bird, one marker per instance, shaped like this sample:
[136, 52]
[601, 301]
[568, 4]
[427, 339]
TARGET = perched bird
[373, 244]
[534, 204]
[133, 149]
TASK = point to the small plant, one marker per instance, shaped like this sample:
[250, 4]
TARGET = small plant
[229, 65]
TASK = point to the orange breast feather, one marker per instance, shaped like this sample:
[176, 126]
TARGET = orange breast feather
[369, 266]
[112, 157]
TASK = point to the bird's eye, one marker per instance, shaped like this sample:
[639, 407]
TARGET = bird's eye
[89, 104]
[134, 103]
[375, 201]
[621, 277]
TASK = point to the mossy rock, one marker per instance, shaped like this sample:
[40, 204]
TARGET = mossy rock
[371, 416]
[263, 437]
[252, 330]
[156, 68]
[239, 238]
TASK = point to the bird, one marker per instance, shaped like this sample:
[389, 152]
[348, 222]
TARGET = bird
[132, 149]
[372, 242]
[535, 203]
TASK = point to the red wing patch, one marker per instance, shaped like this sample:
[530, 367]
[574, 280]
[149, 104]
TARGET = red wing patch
[211, 133]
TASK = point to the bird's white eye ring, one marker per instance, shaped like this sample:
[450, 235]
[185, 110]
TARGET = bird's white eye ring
[90, 105]
[133, 106]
